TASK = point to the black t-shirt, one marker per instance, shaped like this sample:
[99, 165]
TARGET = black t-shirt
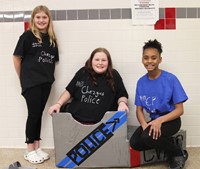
[90, 102]
[38, 60]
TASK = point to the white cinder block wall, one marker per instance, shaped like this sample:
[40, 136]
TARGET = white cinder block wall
[77, 39]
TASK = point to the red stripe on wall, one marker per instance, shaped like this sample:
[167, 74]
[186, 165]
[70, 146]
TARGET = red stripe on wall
[26, 25]
[168, 22]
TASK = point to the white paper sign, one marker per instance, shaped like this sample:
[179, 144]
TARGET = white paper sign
[144, 12]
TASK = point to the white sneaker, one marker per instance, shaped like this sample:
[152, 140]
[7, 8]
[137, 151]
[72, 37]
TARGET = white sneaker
[33, 157]
[42, 154]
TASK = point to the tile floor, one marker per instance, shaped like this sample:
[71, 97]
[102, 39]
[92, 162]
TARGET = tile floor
[8, 156]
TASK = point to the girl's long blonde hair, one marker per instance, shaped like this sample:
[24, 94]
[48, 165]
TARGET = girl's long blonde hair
[50, 30]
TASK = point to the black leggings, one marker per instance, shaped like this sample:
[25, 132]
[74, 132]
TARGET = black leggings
[141, 140]
[36, 99]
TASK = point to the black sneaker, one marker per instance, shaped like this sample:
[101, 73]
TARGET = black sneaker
[178, 162]
[185, 154]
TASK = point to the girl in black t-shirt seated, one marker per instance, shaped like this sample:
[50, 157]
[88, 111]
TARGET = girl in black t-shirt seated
[96, 88]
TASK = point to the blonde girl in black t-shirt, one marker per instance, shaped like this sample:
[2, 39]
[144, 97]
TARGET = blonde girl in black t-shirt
[34, 59]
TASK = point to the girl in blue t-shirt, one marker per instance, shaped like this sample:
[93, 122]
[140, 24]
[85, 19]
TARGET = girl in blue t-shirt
[161, 95]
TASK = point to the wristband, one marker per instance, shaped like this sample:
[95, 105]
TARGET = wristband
[59, 104]
[122, 101]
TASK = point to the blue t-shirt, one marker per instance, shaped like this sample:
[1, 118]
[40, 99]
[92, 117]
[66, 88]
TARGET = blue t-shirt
[159, 96]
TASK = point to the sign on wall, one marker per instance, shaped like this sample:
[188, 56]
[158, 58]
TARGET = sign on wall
[144, 12]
